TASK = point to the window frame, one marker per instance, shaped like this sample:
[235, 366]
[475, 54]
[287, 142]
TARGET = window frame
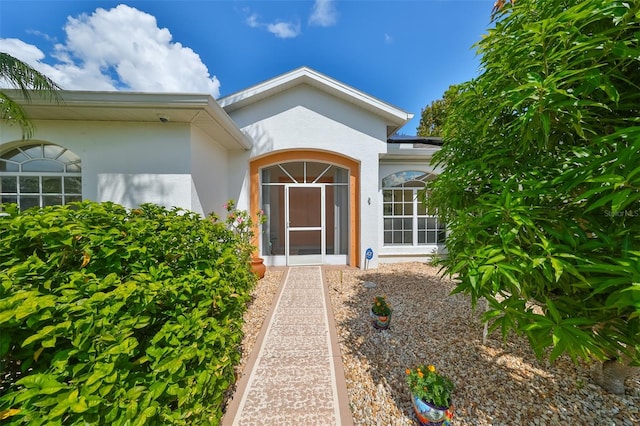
[67, 167]
[408, 182]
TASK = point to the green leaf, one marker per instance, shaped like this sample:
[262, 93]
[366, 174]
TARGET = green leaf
[49, 343]
[100, 371]
[559, 343]
[132, 410]
[135, 392]
[79, 406]
[546, 124]
[145, 415]
[620, 200]
[608, 179]
[60, 409]
[558, 268]
[551, 308]
[6, 315]
[112, 414]
[487, 273]
[157, 389]
[5, 344]
[44, 383]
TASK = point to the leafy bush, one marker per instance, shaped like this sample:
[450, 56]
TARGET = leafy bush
[116, 316]
[541, 192]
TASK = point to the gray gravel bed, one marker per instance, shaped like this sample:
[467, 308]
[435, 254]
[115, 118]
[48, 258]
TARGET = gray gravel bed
[500, 383]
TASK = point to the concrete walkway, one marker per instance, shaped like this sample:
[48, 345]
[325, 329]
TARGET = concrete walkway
[294, 375]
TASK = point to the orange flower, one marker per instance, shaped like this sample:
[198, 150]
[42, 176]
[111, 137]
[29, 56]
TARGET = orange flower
[407, 371]
[420, 374]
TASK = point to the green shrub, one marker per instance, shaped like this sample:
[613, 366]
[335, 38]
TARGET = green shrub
[541, 181]
[116, 316]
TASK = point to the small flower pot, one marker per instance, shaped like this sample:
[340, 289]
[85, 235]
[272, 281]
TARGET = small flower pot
[431, 415]
[381, 322]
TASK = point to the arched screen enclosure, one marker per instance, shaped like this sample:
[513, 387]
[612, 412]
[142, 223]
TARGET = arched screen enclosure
[38, 175]
[307, 208]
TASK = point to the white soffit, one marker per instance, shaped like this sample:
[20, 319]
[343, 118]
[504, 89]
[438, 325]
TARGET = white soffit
[200, 110]
[305, 75]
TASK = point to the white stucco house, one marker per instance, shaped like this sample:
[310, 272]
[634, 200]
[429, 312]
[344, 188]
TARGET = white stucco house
[315, 154]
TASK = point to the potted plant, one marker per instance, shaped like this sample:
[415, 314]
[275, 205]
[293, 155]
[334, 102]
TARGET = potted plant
[430, 395]
[241, 223]
[381, 312]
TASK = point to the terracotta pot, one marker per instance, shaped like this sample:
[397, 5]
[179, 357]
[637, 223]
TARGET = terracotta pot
[429, 414]
[258, 266]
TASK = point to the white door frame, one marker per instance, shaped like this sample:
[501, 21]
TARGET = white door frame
[311, 259]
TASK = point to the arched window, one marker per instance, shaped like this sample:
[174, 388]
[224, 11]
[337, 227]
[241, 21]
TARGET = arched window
[39, 175]
[406, 222]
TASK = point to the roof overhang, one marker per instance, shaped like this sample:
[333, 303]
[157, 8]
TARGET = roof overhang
[395, 117]
[416, 140]
[403, 148]
[200, 110]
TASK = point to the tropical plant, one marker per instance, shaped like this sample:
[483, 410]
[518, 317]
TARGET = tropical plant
[426, 383]
[380, 306]
[541, 185]
[433, 116]
[21, 76]
[244, 226]
[117, 316]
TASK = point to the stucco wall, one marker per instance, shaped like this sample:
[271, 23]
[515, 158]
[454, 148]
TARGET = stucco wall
[210, 174]
[238, 178]
[128, 163]
[306, 118]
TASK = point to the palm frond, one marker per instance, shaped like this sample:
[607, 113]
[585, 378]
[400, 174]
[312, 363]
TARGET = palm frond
[28, 80]
[14, 113]
[24, 77]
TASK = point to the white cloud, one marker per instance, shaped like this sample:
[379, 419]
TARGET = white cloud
[119, 49]
[281, 29]
[21, 50]
[284, 29]
[388, 39]
[324, 13]
[253, 21]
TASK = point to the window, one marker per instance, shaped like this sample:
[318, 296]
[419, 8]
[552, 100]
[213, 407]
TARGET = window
[406, 222]
[39, 175]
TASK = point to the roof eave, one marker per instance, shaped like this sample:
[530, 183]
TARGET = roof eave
[201, 110]
[395, 117]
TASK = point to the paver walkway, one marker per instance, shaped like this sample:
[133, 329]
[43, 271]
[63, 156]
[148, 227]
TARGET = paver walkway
[294, 375]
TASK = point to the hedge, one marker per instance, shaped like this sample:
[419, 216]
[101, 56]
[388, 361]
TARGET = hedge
[118, 316]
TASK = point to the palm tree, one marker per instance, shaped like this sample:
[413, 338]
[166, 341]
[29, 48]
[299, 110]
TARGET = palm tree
[24, 77]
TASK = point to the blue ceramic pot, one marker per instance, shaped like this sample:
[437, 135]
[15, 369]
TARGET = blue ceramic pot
[431, 415]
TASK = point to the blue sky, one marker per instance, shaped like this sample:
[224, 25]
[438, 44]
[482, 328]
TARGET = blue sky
[404, 52]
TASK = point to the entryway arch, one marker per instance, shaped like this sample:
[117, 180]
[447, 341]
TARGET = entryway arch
[307, 192]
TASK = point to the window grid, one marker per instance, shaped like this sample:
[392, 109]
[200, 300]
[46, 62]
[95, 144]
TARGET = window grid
[406, 222]
[40, 175]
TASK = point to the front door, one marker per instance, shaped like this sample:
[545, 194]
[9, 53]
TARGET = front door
[305, 224]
